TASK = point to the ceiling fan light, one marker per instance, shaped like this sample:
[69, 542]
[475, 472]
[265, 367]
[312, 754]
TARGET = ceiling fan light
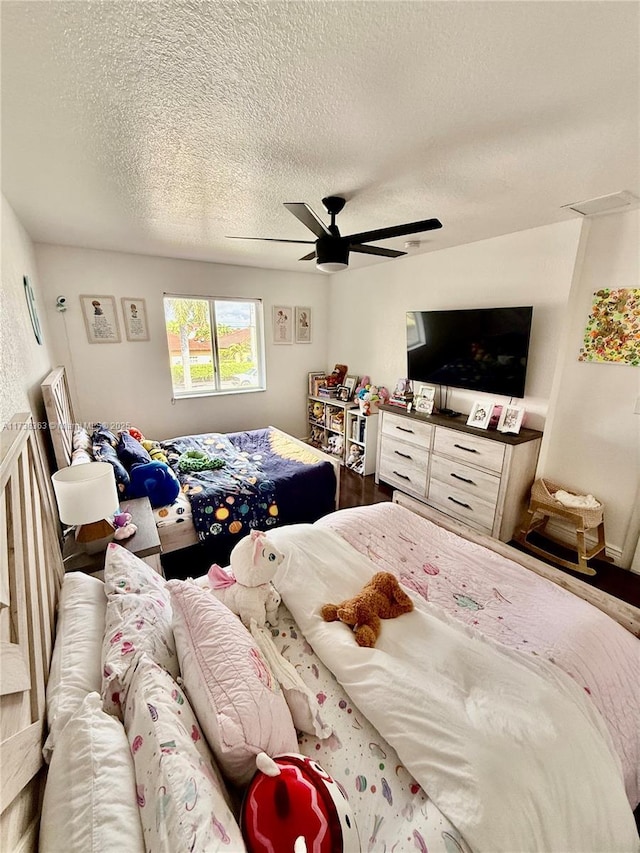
[331, 266]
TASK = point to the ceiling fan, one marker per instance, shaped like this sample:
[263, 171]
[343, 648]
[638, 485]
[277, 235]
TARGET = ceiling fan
[331, 248]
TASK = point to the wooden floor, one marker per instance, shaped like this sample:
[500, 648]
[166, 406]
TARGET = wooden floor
[360, 491]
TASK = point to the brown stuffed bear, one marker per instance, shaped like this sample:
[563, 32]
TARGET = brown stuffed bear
[381, 598]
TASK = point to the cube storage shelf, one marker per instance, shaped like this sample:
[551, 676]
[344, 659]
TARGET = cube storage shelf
[342, 430]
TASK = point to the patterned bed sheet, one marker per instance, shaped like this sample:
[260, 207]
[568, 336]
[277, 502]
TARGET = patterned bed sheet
[391, 810]
[264, 480]
[513, 606]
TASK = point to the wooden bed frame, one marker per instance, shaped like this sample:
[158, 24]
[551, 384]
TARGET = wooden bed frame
[61, 421]
[31, 573]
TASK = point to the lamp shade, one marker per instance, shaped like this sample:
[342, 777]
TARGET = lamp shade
[85, 493]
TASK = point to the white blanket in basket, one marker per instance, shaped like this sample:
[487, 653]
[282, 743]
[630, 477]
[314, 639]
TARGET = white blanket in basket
[506, 744]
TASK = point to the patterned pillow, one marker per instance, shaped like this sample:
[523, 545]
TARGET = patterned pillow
[138, 618]
[104, 450]
[81, 440]
[183, 803]
[232, 690]
[130, 451]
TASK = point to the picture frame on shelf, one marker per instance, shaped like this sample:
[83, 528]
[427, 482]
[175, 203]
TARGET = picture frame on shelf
[511, 419]
[282, 324]
[480, 414]
[303, 325]
[100, 319]
[423, 405]
[350, 383]
[316, 378]
[134, 312]
[427, 391]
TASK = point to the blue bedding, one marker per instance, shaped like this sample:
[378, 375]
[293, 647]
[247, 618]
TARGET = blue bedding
[260, 485]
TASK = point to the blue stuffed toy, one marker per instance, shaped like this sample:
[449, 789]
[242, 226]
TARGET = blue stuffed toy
[155, 480]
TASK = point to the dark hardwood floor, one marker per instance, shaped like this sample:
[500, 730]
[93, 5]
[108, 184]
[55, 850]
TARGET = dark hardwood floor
[623, 584]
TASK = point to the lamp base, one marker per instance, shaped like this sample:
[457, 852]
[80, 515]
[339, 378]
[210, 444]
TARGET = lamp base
[94, 538]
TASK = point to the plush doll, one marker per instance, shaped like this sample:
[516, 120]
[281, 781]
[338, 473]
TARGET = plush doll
[135, 433]
[292, 805]
[247, 589]
[124, 526]
[381, 598]
[154, 450]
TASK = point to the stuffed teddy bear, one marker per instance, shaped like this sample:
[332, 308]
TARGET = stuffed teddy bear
[246, 589]
[381, 598]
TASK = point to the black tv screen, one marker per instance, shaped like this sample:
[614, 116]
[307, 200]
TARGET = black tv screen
[480, 349]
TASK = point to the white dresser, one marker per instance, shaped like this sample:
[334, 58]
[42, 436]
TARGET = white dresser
[481, 478]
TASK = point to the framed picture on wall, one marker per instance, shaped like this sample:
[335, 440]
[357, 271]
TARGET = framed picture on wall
[511, 419]
[303, 325]
[282, 324]
[134, 311]
[100, 319]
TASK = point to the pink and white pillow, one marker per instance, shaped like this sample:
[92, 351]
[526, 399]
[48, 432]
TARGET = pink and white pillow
[183, 804]
[237, 699]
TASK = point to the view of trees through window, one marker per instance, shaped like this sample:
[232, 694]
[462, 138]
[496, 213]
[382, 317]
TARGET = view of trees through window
[214, 344]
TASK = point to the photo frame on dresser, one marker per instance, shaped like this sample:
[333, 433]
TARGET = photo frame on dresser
[511, 419]
[480, 414]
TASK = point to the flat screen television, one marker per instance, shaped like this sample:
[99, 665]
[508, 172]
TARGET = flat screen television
[480, 349]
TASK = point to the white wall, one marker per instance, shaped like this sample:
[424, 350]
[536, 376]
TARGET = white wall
[532, 267]
[23, 362]
[592, 441]
[131, 382]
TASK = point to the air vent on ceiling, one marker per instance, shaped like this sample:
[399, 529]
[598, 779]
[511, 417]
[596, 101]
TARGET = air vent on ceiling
[604, 204]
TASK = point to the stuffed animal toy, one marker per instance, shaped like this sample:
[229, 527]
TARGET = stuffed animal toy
[318, 411]
[381, 598]
[124, 526]
[293, 805]
[135, 433]
[154, 450]
[246, 589]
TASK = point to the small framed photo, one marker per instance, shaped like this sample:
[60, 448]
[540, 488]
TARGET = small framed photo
[282, 324]
[100, 319]
[350, 383]
[423, 405]
[427, 391]
[303, 325]
[511, 419]
[134, 311]
[480, 414]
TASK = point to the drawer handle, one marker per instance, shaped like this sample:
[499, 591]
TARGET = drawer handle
[453, 500]
[468, 449]
[404, 429]
[464, 479]
[404, 455]
[402, 476]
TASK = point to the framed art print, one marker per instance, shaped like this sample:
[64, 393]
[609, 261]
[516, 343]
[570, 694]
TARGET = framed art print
[282, 324]
[480, 415]
[100, 319]
[303, 325]
[423, 405]
[134, 311]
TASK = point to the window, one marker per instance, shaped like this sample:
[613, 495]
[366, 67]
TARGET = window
[216, 344]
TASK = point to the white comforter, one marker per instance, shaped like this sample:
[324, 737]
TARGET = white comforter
[505, 744]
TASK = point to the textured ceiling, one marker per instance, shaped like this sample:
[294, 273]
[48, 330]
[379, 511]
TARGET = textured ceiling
[159, 128]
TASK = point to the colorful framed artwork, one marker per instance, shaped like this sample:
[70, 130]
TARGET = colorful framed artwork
[100, 319]
[612, 333]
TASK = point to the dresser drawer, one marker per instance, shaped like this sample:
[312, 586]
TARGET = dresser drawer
[472, 510]
[469, 449]
[407, 429]
[464, 478]
[409, 475]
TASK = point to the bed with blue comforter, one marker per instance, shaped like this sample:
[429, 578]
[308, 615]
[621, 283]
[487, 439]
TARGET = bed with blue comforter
[263, 479]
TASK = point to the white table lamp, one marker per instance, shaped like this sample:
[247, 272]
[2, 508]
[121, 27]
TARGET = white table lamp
[87, 499]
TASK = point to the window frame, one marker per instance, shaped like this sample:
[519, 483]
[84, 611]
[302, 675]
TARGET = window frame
[259, 346]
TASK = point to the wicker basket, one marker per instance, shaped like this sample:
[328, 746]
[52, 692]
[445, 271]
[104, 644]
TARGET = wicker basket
[543, 492]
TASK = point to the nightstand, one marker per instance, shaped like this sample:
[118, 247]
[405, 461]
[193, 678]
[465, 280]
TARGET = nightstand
[145, 542]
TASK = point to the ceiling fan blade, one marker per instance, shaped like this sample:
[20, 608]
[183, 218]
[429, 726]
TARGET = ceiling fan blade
[303, 212]
[395, 231]
[308, 257]
[376, 250]
[272, 240]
